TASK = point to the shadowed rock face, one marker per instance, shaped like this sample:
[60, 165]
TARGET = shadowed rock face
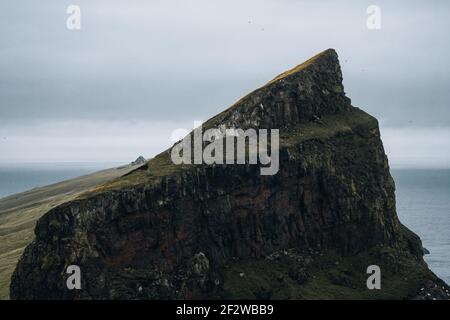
[167, 231]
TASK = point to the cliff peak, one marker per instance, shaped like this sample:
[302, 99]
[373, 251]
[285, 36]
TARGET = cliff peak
[311, 230]
[328, 56]
[306, 92]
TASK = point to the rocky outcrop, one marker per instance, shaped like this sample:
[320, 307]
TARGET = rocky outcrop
[170, 231]
[139, 160]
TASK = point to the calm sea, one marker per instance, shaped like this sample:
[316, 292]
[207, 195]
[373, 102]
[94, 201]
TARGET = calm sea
[423, 200]
[423, 204]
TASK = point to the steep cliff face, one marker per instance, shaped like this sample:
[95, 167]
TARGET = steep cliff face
[225, 231]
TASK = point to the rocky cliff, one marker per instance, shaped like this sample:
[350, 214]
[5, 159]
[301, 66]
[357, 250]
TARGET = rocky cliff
[169, 231]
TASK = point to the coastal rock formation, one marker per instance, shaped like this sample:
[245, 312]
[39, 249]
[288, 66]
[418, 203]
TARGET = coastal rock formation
[139, 160]
[168, 231]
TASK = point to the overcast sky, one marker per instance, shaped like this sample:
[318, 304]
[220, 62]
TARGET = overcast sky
[137, 70]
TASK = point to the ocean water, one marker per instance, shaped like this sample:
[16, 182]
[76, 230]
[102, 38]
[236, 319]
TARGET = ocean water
[423, 205]
[15, 178]
[423, 200]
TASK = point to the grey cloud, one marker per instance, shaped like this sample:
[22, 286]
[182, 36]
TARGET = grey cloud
[180, 60]
[155, 59]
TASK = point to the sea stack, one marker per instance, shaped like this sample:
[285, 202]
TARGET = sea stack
[311, 231]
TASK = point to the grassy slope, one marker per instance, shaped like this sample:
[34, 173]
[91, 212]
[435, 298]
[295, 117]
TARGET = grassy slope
[18, 215]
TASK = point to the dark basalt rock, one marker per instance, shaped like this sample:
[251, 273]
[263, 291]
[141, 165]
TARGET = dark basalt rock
[224, 231]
